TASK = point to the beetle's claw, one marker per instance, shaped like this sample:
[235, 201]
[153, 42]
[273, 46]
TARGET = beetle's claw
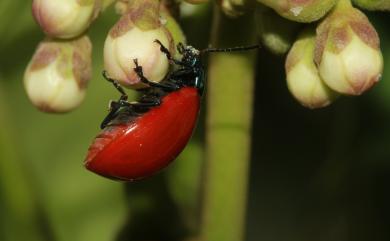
[159, 43]
[110, 104]
[137, 69]
[180, 48]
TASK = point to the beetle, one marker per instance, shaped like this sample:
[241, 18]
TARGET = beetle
[141, 138]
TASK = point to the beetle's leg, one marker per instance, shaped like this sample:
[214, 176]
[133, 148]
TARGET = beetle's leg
[110, 116]
[181, 72]
[164, 49]
[168, 54]
[114, 105]
[114, 108]
[177, 76]
[147, 102]
[116, 85]
[164, 86]
[180, 48]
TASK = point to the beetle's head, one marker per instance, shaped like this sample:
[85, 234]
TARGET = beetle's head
[191, 56]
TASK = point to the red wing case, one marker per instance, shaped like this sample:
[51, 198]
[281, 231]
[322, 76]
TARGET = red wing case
[146, 144]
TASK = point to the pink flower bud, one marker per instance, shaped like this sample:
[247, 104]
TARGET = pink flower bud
[57, 76]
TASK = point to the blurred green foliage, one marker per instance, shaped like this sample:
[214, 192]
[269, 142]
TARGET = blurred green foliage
[316, 175]
[45, 192]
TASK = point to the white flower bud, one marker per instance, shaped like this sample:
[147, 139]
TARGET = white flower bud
[303, 80]
[119, 53]
[65, 18]
[133, 37]
[57, 76]
[347, 51]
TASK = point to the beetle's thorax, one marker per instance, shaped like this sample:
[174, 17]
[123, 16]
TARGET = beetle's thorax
[191, 60]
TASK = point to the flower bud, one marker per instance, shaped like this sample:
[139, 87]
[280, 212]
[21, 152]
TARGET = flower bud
[381, 5]
[347, 51]
[57, 76]
[303, 80]
[65, 18]
[300, 10]
[132, 37]
[275, 32]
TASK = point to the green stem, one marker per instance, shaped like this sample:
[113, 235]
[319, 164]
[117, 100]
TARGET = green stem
[228, 137]
[343, 4]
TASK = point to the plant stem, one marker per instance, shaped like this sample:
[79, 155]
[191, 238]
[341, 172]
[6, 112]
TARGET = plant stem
[228, 137]
[342, 4]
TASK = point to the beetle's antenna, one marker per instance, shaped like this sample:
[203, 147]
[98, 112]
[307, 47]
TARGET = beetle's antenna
[241, 48]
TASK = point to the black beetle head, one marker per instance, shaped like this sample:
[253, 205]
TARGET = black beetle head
[191, 56]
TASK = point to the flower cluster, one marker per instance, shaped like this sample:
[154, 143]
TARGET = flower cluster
[341, 55]
[60, 69]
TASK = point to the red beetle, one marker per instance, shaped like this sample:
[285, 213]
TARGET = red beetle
[140, 138]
